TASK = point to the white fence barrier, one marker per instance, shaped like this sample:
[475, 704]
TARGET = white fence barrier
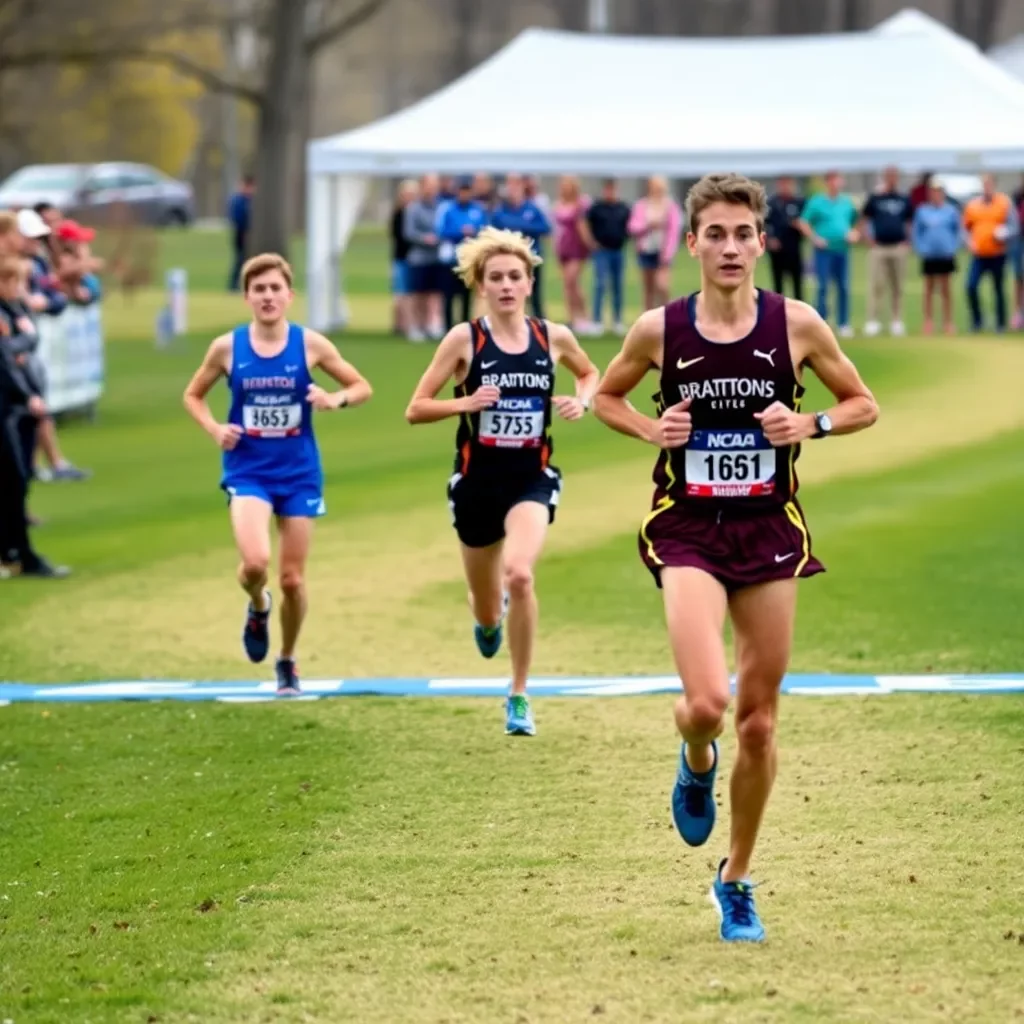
[71, 348]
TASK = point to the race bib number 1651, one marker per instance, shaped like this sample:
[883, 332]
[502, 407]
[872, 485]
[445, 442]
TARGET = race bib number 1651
[729, 464]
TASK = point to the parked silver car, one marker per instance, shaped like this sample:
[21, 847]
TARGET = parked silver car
[89, 192]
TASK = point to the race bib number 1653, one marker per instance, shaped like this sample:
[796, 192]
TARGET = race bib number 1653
[272, 420]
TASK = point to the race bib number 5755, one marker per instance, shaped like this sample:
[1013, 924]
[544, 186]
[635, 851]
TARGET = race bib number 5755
[729, 464]
[513, 423]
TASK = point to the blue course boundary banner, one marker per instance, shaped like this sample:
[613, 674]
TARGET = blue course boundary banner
[247, 691]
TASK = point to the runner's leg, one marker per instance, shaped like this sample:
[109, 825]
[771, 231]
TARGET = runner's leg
[526, 527]
[763, 617]
[295, 533]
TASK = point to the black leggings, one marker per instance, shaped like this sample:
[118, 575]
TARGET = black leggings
[787, 263]
[14, 543]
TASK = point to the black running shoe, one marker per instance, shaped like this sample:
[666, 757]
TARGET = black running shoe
[256, 634]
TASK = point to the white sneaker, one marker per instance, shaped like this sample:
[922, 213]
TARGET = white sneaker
[872, 329]
[416, 336]
[619, 328]
[897, 329]
[846, 332]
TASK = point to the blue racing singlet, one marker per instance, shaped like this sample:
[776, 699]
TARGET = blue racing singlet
[268, 401]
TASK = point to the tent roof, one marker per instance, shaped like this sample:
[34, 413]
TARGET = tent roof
[909, 92]
[1009, 56]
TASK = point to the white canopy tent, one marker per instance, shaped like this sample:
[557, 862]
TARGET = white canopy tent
[909, 92]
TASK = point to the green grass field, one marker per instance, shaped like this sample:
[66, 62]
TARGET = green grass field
[401, 861]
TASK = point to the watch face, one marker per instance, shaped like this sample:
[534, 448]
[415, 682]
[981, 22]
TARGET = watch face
[824, 422]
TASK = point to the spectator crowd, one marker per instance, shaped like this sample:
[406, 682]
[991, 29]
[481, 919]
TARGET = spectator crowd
[895, 226]
[808, 237]
[46, 265]
[432, 215]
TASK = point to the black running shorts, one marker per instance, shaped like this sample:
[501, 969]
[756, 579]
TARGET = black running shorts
[479, 507]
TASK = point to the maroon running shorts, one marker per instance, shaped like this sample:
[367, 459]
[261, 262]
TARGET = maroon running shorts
[739, 548]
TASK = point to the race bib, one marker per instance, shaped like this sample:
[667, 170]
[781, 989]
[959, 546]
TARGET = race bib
[513, 423]
[272, 420]
[729, 464]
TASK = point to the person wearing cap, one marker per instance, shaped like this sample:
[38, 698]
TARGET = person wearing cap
[457, 219]
[44, 297]
[75, 262]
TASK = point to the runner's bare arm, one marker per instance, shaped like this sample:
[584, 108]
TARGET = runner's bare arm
[641, 351]
[454, 353]
[355, 388]
[856, 408]
[216, 364]
[815, 345]
[566, 350]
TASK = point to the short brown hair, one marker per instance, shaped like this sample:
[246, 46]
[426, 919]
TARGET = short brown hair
[734, 189]
[261, 264]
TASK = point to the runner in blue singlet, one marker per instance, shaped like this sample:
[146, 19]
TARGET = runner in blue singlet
[271, 462]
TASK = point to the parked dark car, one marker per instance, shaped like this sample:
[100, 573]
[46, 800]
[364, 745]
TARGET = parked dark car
[91, 192]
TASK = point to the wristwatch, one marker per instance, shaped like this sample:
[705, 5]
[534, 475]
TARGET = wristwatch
[823, 424]
[344, 400]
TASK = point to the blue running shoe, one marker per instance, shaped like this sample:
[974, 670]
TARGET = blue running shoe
[488, 638]
[518, 716]
[256, 635]
[734, 902]
[287, 678]
[693, 800]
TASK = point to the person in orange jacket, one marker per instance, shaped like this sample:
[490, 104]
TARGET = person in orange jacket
[989, 222]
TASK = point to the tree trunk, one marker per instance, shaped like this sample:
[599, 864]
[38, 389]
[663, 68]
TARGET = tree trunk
[285, 67]
[799, 17]
[986, 15]
[464, 15]
[852, 15]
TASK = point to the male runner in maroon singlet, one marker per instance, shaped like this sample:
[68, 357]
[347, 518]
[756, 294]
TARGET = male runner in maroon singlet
[726, 534]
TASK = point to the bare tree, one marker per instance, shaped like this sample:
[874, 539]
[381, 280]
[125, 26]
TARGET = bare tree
[293, 32]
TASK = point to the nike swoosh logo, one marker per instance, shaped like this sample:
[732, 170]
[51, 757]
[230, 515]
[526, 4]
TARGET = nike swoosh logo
[782, 558]
[689, 362]
[487, 366]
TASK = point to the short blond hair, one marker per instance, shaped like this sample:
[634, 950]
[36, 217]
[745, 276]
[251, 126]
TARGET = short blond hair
[8, 222]
[263, 263]
[474, 253]
[734, 189]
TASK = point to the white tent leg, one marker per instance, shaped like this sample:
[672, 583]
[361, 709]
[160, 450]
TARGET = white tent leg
[318, 246]
[348, 193]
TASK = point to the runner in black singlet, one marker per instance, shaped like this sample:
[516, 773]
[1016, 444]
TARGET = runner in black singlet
[725, 535]
[504, 490]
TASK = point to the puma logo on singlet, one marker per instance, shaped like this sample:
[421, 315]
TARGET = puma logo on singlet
[683, 364]
[769, 357]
